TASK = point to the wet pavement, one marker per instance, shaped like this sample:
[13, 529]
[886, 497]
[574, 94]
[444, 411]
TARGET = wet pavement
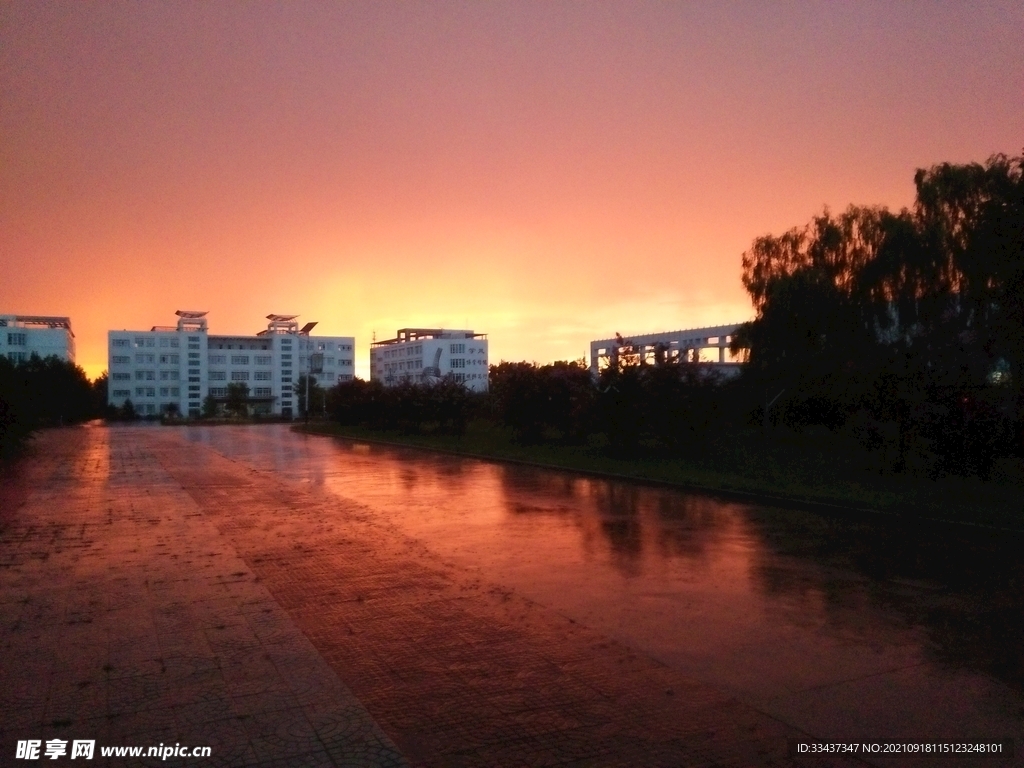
[130, 620]
[467, 612]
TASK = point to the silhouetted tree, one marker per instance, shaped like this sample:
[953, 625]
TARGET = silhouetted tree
[441, 406]
[127, 411]
[520, 400]
[238, 398]
[531, 399]
[41, 392]
[356, 402]
[210, 407]
[100, 392]
[661, 402]
[915, 317]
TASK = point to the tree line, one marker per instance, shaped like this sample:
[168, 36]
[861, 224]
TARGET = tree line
[41, 392]
[445, 406]
[638, 408]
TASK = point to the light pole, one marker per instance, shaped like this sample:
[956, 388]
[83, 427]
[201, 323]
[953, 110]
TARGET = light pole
[316, 365]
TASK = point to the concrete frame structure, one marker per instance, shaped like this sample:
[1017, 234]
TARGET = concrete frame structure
[22, 336]
[690, 344]
[422, 355]
[180, 365]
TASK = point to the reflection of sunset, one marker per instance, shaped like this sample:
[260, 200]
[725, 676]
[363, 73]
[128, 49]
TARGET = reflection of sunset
[547, 174]
[824, 619]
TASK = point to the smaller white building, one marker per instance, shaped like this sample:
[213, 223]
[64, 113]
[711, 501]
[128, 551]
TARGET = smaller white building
[699, 345]
[424, 355]
[22, 336]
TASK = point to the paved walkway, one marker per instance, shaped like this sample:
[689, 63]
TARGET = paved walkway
[153, 591]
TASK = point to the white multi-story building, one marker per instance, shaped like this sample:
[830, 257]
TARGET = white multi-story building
[423, 355]
[22, 336]
[181, 365]
[698, 345]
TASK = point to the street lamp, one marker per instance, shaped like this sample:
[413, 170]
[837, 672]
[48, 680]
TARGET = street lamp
[316, 365]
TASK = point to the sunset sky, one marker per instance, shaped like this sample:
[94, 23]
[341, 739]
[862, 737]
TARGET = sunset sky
[547, 173]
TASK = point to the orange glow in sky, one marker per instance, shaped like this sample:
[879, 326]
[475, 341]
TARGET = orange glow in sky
[546, 173]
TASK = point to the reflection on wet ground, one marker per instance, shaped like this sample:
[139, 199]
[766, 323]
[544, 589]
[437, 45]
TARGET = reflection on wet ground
[843, 626]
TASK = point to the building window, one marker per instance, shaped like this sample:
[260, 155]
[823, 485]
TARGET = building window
[122, 393]
[262, 376]
[193, 388]
[150, 375]
[163, 342]
[262, 391]
[286, 356]
[193, 371]
[140, 341]
[193, 356]
[239, 375]
[174, 343]
[175, 391]
[458, 362]
[218, 359]
[150, 342]
[458, 349]
[239, 359]
[165, 392]
[121, 377]
[219, 391]
[119, 343]
[218, 375]
[263, 359]
[121, 359]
